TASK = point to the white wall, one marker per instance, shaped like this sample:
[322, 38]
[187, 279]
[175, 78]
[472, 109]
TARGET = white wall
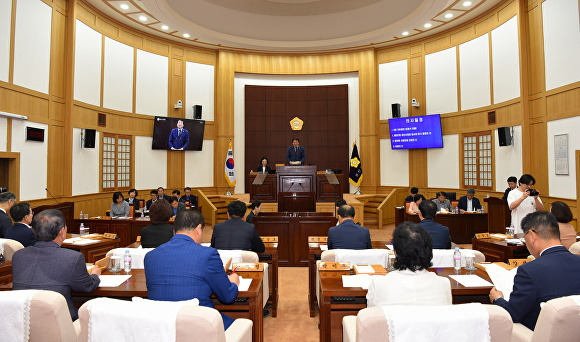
[443, 164]
[118, 76]
[87, 73]
[241, 80]
[394, 165]
[505, 61]
[199, 89]
[32, 45]
[85, 171]
[508, 159]
[441, 81]
[3, 134]
[561, 42]
[5, 25]
[150, 165]
[33, 160]
[474, 73]
[563, 185]
[199, 166]
[152, 84]
[393, 88]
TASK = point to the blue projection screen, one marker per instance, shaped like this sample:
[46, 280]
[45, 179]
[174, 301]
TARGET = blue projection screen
[416, 132]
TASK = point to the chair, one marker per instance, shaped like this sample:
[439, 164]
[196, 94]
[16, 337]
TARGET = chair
[193, 323]
[559, 321]
[49, 316]
[575, 248]
[371, 325]
[10, 246]
[137, 256]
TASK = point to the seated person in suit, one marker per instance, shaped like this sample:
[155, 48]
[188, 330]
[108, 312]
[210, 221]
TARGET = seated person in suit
[512, 184]
[411, 283]
[414, 191]
[554, 273]
[296, 154]
[439, 233]
[159, 231]
[348, 235]
[176, 193]
[46, 266]
[264, 167]
[414, 205]
[176, 206]
[161, 194]
[21, 231]
[153, 194]
[188, 197]
[337, 204]
[132, 199]
[7, 200]
[563, 215]
[255, 208]
[183, 269]
[119, 207]
[442, 202]
[469, 202]
[235, 233]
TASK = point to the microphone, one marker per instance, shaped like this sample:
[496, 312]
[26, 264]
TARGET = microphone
[290, 187]
[302, 187]
[51, 195]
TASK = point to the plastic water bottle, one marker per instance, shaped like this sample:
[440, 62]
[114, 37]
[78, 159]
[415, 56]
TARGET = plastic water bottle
[512, 229]
[457, 259]
[81, 215]
[127, 261]
[82, 229]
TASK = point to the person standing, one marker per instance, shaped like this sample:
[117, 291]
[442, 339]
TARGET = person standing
[524, 200]
[296, 154]
[179, 137]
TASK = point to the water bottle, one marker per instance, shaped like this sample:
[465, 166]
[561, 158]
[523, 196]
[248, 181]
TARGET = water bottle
[512, 229]
[457, 259]
[82, 229]
[482, 209]
[81, 215]
[127, 261]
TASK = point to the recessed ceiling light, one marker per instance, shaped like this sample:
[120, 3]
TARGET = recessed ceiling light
[142, 18]
[124, 6]
[164, 27]
[405, 33]
[186, 35]
[448, 15]
[467, 3]
[427, 25]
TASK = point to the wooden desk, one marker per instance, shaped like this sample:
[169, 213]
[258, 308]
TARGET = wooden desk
[496, 250]
[332, 311]
[94, 251]
[5, 272]
[126, 230]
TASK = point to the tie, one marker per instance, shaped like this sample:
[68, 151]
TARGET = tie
[179, 132]
[295, 149]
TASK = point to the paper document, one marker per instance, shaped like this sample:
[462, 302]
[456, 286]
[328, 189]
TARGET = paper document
[359, 280]
[83, 242]
[390, 247]
[502, 279]
[206, 244]
[516, 241]
[323, 247]
[244, 284]
[113, 280]
[365, 269]
[71, 240]
[470, 280]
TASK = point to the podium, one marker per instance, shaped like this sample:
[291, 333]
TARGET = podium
[500, 215]
[296, 188]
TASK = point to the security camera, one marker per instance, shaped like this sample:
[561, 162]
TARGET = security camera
[178, 105]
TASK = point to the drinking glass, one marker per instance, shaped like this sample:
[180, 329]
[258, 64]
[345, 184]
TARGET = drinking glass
[115, 263]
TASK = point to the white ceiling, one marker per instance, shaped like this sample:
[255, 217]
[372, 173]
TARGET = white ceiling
[292, 25]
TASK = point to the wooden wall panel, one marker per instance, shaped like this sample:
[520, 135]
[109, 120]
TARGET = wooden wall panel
[57, 151]
[538, 164]
[535, 56]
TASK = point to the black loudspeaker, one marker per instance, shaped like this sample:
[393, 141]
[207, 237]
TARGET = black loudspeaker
[89, 141]
[505, 136]
[396, 110]
[197, 112]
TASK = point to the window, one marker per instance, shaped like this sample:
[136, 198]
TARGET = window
[116, 162]
[477, 160]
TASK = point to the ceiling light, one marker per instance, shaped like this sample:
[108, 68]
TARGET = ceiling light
[186, 35]
[124, 6]
[467, 3]
[164, 27]
[448, 15]
[427, 25]
[405, 33]
[142, 18]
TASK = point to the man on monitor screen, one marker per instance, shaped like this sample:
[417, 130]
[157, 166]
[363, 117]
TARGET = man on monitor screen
[179, 137]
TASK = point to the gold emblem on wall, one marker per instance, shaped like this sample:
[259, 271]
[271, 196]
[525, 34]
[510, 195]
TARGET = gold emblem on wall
[296, 124]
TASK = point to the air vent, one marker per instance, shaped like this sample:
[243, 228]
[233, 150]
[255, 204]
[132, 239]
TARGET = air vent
[491, 118]
[102, 120]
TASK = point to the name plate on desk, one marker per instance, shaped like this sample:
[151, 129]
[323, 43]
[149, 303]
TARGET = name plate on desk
[248, 266]
[482, 236]
[111, 236]
[518, 262]
[334, 266]
[318, 239]
[269, 239]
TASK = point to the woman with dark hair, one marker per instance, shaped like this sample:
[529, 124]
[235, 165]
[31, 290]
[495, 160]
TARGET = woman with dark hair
[564, 215]
[411, 283]
[158, 232]
[119, 207]
[256, 208]
[414, 205]
[264, 167]
[132, 199]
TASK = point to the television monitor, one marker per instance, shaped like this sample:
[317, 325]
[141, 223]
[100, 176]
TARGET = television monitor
[416, 132]
[165, 128]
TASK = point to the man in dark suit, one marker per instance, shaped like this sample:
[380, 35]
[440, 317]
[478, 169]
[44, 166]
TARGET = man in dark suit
[554, 273]
[469, 202]
[348, 235]
[46, 266]
[182, 269]
[176, 206]
[236, 233]
[179, 137]
[296, 154]
[154, 197]
[439, 233]
[414, 191]
[7, 200]
[161, 194]
[188, 197]
[21, 230]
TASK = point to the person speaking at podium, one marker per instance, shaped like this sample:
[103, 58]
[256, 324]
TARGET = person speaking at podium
[179, 137]
[296, 154]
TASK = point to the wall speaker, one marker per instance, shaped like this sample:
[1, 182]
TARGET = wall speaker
[89, 138]
[197, 112]
[396, 110]
[505, 136]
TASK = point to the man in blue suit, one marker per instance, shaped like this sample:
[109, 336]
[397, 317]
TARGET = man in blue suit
[296, 154]
[348, 235]
[21, 231]
[439, 233]
[469, 202]
[179, 137]
[182, 269]
[554, 273]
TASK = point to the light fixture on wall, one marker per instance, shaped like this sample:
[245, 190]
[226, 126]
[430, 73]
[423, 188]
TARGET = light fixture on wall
[14, 116]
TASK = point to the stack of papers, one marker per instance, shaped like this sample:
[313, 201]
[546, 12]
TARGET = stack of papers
[244, 284]
[359, 280]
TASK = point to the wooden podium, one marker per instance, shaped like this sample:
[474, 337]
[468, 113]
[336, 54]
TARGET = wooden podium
[296, 188]
[500, 215]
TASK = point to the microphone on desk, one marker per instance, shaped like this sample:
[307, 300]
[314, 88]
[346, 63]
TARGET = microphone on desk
[290, 187]
[51, 195]
[302, 187]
